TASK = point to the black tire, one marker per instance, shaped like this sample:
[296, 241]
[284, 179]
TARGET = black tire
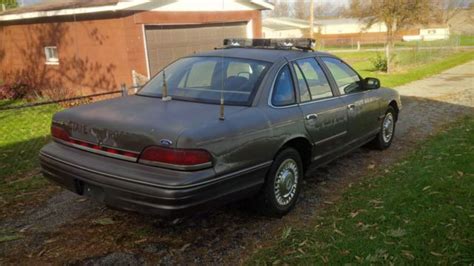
[268, 204]
[380, 142]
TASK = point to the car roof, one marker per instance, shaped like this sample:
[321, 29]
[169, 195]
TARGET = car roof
[262, 54]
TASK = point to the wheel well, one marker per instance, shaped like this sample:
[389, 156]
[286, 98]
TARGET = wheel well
[304, 148]
[395, 106]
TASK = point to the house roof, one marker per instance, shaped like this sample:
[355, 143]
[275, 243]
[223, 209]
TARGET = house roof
[51, 5]
[52, 8]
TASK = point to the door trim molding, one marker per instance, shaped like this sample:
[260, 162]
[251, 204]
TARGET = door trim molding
[331, 137]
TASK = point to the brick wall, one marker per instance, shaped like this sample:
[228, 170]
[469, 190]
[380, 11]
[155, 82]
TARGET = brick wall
[96, 52]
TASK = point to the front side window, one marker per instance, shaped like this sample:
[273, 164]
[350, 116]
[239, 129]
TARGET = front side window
[51, 53]
[315, 79]
[284, 91]
[207, 79]
[347, 80]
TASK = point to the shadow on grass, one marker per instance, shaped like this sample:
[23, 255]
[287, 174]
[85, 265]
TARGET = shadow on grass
[230, 230]
[20, 157]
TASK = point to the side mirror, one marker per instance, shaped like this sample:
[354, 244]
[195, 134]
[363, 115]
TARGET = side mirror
[371, 83]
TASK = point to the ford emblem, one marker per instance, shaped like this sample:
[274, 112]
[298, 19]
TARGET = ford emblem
[166, 142]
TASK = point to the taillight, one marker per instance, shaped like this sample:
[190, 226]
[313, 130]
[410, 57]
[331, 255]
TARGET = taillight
[182, 159]
[59, 133]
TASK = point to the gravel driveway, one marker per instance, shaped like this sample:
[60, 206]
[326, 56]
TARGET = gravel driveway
[70, 229]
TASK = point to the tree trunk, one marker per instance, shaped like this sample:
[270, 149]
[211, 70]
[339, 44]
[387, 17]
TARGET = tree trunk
[388, 47]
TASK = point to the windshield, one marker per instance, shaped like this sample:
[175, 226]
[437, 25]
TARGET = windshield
[207, 79]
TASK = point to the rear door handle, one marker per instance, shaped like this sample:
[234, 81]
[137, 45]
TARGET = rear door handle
[351, 106]
[311, 116]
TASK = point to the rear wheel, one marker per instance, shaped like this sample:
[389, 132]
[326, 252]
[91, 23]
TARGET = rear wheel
[283, 184]
[384, 138]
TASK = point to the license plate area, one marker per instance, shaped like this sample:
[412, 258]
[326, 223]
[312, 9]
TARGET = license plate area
[90, 191]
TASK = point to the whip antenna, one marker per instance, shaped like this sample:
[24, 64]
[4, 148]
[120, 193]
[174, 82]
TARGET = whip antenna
[165, 96]
[221, 116]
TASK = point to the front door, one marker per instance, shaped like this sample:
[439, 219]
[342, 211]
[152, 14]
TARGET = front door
[362, 105]
[324, 114]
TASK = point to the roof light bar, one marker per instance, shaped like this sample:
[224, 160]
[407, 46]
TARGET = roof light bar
[305, 44]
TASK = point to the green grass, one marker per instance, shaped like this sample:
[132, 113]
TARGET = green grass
[406, 71]
[422, 211]
[466, 40]
[24, 132]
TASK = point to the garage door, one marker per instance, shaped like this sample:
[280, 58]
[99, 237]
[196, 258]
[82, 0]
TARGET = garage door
[167, 43]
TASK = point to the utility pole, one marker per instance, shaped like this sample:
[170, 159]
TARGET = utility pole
[311, 18]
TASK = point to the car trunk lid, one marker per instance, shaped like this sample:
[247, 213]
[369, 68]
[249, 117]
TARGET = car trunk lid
[135, 122]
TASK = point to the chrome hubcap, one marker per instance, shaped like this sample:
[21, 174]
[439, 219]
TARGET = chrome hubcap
[286, 181]
[387, 128]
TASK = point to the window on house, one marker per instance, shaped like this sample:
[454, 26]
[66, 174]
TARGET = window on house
[51, 53]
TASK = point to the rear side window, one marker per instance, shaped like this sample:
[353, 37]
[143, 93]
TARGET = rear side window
[284, 91]
[315, 79]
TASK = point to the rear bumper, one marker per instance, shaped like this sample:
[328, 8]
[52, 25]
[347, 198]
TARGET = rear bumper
[151, 190]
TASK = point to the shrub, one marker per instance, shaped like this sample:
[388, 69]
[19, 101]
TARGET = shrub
[379, 62]
[15, 91]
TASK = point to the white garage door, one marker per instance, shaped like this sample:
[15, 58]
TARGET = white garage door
[168, 43]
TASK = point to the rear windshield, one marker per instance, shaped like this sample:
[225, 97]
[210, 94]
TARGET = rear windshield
[208, 79]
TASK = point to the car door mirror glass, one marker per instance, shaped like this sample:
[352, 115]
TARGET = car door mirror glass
[371, 83]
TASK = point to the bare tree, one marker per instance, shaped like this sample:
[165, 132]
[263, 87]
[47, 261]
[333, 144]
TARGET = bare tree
[395, 14]
[448, 9]
[301, 9]
[281, 9]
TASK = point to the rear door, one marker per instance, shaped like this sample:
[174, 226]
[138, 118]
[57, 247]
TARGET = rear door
[324, 115]
[362, 105]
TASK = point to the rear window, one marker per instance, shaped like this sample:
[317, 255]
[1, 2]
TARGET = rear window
[207, 79]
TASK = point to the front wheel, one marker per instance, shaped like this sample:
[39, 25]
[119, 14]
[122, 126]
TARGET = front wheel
[283, 184]
[384, 138]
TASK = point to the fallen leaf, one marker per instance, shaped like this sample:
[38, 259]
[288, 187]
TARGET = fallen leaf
[141, 241]
[371, 166]
[460, 173]
[396, 232]
[185, 247]
[339, 232]
[408, 254]
[104, 221]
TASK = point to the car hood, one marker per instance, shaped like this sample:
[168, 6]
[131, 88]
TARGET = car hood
[135, 122]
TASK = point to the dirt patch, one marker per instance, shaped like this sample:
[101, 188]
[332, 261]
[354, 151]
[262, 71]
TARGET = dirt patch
[69, 229]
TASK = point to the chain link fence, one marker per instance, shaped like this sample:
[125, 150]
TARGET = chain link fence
[25, 128]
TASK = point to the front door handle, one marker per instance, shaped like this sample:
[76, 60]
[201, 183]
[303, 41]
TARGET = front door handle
[351, 106]
[311, 116]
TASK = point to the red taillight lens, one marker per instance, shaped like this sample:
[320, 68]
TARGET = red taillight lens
[176, 157]
[59, 133]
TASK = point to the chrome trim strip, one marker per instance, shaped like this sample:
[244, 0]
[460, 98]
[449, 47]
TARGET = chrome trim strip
[331, 137]
[208, 182]
[176, 167]
[108, 154]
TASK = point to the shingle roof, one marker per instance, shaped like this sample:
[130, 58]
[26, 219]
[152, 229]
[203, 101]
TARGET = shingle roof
[52, 5]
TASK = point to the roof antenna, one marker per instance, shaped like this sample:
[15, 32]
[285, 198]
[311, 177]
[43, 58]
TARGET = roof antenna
[221, 116]
[165, 96]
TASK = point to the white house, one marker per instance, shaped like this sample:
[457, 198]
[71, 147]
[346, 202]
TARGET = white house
[291, 27]
[429, 34]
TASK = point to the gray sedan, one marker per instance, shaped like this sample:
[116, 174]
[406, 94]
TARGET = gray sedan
[220, 126]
